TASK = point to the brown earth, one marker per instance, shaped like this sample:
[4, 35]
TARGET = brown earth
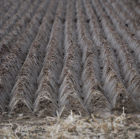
[70, 68]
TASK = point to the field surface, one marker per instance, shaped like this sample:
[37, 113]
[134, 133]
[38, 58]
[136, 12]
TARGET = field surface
[70, 59]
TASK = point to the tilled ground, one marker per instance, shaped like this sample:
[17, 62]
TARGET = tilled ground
[58, 56]
[73, 127]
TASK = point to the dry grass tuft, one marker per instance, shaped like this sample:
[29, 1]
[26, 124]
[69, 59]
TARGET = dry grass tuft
[74, 126]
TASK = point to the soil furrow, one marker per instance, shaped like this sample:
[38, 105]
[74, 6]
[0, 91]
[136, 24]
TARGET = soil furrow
[92, 93]
[10, 67]
[8, 41]
[113, 87]
[61, 58]
[70, 91]
[125, 19]
[46, 101]
[133, 12]
[23, 92]
[11, 12]
[128, 9]
[9, 25]
[121, 29]
[129, 71]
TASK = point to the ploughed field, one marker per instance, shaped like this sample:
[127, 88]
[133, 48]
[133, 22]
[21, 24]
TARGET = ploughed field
[58, 56]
